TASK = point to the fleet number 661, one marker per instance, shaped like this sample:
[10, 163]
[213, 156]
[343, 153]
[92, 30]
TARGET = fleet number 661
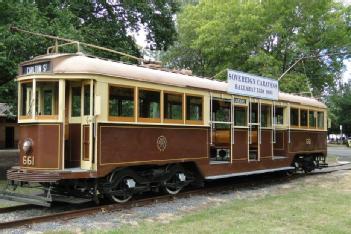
[28, 160]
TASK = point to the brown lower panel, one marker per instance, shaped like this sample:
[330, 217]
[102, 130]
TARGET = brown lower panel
[47, 145]
[120, 145]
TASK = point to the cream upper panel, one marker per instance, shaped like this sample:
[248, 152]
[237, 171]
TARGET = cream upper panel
[80, 64]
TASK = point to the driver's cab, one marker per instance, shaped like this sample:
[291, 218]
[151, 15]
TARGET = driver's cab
[56, 118]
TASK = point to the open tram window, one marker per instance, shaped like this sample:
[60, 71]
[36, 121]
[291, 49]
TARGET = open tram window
[194, 109]
[221, 117]
[221, 113]
[279, 115]
[320, 120]
[173, 107]
[240, 116]
[149, 104]
[26, 99]
[312, 119]
[303, 118]
[121, 103]
[266, 116]
[47, 98]
[294, 117]
[76, 95]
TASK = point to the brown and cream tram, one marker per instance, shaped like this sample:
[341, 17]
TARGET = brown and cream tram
[92, 128]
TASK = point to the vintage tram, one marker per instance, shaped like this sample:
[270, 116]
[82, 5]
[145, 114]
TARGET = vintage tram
[92, 128]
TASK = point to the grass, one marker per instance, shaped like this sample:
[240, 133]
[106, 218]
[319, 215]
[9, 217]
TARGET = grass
[311, 207]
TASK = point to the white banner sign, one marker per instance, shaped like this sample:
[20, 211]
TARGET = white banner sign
[245, 84]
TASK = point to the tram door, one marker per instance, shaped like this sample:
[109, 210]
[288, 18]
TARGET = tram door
[254, 130]
[87, 125]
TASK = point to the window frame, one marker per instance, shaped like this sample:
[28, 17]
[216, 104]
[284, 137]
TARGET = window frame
[194, 122]
[246, 116]
[70, 100]
[323, 120]
[167, 120]
[315, 119]
[298, 117]
[122, 118]
[55, 100]
[307, 120]
[149, 120]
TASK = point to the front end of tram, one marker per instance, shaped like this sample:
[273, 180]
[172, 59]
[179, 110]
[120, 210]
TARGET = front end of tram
[43, 132]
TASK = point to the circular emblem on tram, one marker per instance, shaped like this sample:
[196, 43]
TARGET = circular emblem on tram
[161, 143]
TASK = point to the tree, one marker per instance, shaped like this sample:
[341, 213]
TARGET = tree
[339, 103]
[97, 22]
[265, 38]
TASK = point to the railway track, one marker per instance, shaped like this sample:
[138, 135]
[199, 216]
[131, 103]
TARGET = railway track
[71, 214]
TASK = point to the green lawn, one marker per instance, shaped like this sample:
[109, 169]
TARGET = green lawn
[308, 208]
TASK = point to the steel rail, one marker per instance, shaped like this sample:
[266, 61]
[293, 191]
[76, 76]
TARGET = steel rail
[66, 215]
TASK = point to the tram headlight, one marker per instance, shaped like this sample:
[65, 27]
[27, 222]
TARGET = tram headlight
[27, 146]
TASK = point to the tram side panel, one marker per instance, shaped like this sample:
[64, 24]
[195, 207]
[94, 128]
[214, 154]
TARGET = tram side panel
[304, 142]
[130, 145]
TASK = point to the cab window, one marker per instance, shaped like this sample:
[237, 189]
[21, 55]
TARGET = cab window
[46, 98]
[26, 97]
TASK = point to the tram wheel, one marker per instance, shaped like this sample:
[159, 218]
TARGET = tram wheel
[176, 180]
[121, 187]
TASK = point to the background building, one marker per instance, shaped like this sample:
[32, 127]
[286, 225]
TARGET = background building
[8, 128]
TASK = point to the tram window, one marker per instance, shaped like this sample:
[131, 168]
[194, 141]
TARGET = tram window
[279, 115]
[76, 101]
[121, 101]
[86, 99]
[240, 116]
[46, 98]
[173, 106]
[294, 117]
[193, 108]
[221, 113]
[303, 118]
[266, 116]
[26, 94]
[320, 120]
[312, 119]
[149, 104]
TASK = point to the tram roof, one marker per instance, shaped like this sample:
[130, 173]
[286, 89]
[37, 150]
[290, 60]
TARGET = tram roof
[82, 64]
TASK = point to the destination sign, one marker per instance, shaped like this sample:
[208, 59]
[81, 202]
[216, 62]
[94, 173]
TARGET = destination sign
[36, 68]
[252, 86]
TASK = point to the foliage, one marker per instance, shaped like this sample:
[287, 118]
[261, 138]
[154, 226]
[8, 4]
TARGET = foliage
[103, 23]
[265, 38]
[339, 103]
